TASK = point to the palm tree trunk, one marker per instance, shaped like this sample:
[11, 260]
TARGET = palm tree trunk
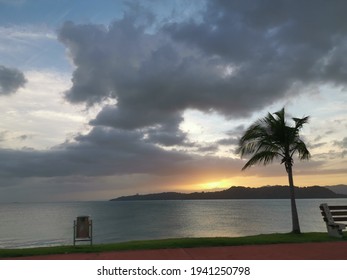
[295, 218]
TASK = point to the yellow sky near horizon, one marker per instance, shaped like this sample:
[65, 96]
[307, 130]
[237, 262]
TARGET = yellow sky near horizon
[254, 181]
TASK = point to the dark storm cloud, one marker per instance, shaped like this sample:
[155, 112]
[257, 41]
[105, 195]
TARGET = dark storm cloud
[159, 126]
[151, 76]
[168, 133]
[242, 56]
[108, 151]
[277, 44]
[10, 80]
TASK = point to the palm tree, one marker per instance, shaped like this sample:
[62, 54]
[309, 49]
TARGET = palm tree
[270, 138]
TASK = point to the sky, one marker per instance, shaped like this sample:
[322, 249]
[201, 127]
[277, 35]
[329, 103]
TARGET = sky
[100, 99]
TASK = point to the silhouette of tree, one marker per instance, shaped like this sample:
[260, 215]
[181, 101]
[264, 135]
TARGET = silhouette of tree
[270, 138]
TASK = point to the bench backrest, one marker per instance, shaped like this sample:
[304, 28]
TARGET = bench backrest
[334, 213]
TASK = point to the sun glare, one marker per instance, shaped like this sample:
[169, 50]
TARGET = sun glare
[222, 184]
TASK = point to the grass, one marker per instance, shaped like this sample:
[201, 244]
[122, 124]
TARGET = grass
[174, 243]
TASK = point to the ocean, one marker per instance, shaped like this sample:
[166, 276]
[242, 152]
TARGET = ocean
[24, 225]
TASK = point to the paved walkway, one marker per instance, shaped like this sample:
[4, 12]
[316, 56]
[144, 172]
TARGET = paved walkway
[304, 251]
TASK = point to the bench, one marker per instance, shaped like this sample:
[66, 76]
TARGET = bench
[333, 215]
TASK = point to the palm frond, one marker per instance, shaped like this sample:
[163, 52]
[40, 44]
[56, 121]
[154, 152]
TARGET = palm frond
[300, 122]
[281, 116]
[300, 147]
[264, 157]
[271, 137]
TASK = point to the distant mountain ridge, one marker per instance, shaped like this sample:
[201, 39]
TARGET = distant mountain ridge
[240, 192]
[340, 189]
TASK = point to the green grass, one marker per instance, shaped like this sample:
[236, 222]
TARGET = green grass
[174, 243]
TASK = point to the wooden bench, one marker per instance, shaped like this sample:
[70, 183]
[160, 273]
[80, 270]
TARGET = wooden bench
[333, 216]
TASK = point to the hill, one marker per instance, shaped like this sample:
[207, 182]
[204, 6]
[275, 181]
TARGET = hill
[238, 192]
[339, 189]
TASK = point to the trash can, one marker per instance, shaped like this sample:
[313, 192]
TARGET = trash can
[83, 230]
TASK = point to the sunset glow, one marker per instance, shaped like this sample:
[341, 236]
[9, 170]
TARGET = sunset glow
[217, 185]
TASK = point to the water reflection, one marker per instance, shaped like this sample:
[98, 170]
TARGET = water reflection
[25, 225]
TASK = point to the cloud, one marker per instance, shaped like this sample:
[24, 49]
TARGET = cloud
[105, 152]
[115, 152]
[10, 80]
[228, 141]
[343, 145]
[3, 135]
[152, 77]
[275, 44]
[6, 136]
[238, 59]
[168, 133]
[233, 136]
[317, 145]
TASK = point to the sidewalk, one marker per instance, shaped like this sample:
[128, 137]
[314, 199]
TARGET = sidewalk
[303, 251]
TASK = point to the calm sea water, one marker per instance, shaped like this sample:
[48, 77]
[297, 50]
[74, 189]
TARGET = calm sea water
[48, 224]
